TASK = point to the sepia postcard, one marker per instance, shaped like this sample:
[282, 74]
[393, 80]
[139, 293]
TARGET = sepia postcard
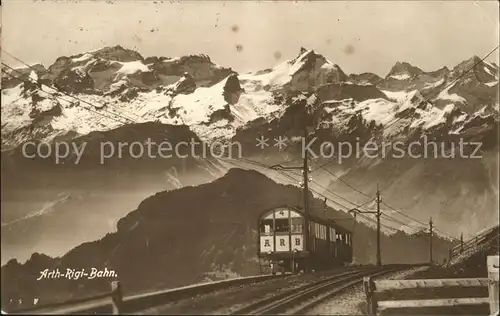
[250, 157]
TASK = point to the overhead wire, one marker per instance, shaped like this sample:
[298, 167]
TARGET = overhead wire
[340, 204]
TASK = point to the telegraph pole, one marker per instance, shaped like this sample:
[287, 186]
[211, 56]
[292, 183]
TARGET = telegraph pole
[461, 242]
[430, 241]
[377, 213]
[305, 180]
[379, 260]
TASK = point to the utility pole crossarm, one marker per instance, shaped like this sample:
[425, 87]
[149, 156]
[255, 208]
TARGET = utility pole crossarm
[379, 259]
[280, 167]
[356, 211]
[377, 214]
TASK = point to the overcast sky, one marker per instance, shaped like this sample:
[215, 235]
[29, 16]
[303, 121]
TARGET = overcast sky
[359, 36]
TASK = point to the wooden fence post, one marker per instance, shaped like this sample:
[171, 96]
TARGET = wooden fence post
[117, 297]
[493, 288]
[371, 303]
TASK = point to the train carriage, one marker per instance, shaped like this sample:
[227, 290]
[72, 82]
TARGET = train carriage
[283, 245]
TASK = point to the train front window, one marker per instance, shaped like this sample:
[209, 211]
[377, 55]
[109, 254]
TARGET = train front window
[297, 226]
[266, 226]
[282, 225]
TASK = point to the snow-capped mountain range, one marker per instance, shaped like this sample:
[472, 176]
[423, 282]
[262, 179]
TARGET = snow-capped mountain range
[117, 94]
[114, 86]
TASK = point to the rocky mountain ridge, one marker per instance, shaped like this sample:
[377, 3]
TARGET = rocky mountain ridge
[117, 86]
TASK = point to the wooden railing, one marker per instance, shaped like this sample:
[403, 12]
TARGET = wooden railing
[114, 303]
[374, 306]
[474, 242]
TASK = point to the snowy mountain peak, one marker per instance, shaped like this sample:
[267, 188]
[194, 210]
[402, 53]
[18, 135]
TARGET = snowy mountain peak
[471, 85]
[308, 58]
[475, 59]
[306, 71]
[479, 66]
[102, 71]
[403, 71]
[304, 53]
[117, 53]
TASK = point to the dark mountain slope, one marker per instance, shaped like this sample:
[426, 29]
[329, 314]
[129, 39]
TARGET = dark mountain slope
[210, 228]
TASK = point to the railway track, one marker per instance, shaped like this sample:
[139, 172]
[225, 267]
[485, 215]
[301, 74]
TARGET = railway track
[298, 301]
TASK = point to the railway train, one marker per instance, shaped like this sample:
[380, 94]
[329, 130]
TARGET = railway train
[284, 247]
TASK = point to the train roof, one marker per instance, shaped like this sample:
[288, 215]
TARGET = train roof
[345, 224]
